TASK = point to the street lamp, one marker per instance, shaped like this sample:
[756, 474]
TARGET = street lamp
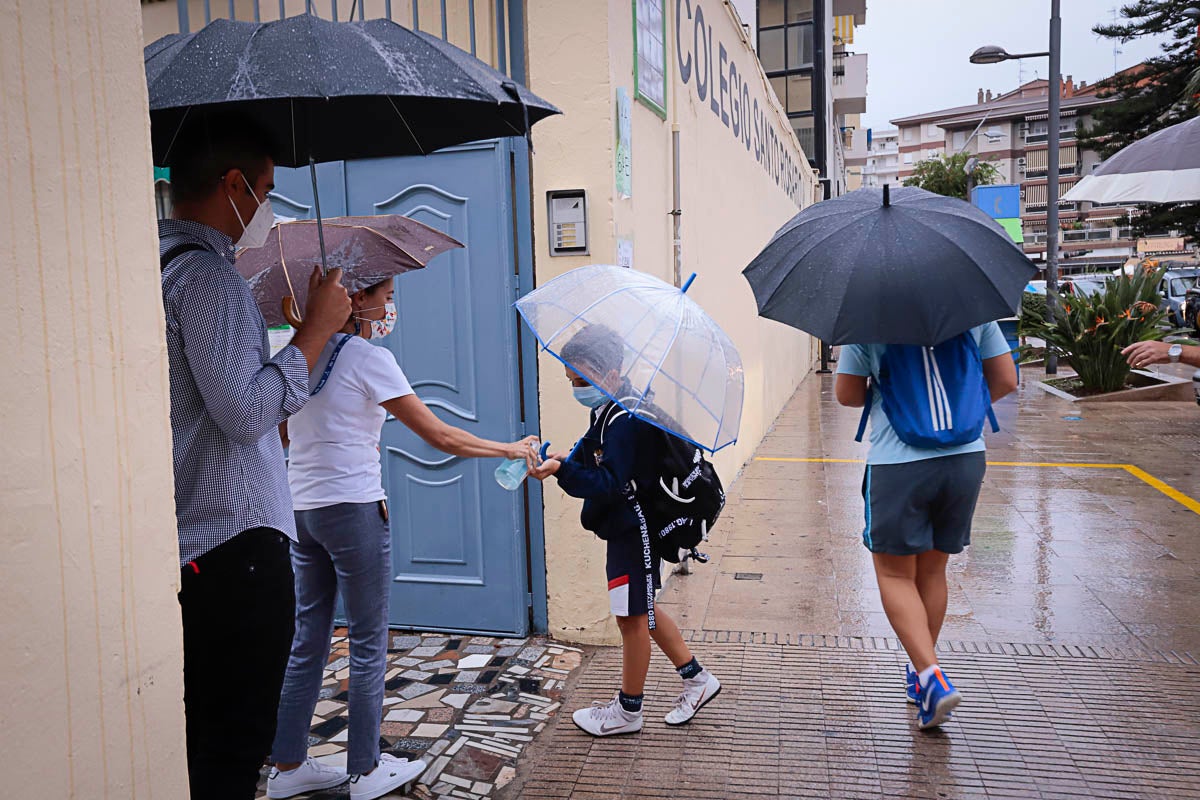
[992, 54]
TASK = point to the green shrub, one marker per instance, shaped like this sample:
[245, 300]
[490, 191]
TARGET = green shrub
[1092, 330]
[1033, 313]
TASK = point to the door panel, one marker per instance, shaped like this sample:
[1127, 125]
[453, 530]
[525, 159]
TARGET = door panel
[458, 538]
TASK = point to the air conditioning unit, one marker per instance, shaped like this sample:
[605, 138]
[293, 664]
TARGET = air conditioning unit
[1021, 162]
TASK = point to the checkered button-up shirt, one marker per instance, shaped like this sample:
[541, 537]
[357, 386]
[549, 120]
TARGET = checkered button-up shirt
[227, 396]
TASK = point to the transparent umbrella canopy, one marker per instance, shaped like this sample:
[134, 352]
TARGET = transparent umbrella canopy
[646, 345]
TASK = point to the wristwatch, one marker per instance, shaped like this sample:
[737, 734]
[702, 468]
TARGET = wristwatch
[1174, 352]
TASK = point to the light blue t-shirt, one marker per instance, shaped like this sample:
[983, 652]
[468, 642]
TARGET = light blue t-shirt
[886, 447]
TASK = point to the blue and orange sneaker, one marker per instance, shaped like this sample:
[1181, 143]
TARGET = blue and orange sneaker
[912, 684]
[938, 698]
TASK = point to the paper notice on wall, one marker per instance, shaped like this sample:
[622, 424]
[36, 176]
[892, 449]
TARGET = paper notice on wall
[279, 338]
[624, 252]
[624, 159]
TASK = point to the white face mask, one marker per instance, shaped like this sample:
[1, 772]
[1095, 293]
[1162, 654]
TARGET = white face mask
[255, 234]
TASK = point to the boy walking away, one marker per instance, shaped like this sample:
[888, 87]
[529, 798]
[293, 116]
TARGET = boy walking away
[619, 452]
[927, 407]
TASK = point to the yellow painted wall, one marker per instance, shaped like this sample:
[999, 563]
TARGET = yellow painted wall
[579, 53]
[92, 647]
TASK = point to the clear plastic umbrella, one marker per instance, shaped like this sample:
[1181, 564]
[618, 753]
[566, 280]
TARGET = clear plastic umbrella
[646, 345]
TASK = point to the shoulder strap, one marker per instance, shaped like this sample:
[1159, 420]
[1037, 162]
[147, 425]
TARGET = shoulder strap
[866, 414]
[175, 252]
[329, 367]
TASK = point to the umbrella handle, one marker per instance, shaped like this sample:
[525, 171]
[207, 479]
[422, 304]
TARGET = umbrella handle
[291, 312]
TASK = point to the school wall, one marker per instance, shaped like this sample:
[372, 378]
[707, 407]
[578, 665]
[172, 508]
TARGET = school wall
[742, 175]
[92, 646]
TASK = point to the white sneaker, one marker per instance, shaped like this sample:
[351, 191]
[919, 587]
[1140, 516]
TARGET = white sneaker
[311, 776]
[391, 774]
[608, 719]
[697, 692]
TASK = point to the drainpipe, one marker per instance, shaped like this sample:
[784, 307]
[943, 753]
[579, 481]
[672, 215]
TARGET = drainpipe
[676, 211]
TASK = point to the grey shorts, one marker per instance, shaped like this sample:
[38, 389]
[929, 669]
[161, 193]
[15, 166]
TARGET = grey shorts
[922, 505]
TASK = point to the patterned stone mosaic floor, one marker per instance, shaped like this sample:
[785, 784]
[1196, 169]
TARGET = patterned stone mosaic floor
[467, 705]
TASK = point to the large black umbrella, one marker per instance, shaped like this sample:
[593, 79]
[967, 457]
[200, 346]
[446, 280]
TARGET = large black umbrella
[889, 267]
[329, 91]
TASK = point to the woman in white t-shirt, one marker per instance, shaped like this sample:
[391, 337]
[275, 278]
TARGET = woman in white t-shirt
[344, 543]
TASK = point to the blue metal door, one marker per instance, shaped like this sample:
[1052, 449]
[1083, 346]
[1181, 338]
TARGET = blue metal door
[458, 538]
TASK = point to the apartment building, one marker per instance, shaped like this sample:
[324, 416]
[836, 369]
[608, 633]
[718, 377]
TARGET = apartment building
[806, 50]
[1010, 131]
[883, 159]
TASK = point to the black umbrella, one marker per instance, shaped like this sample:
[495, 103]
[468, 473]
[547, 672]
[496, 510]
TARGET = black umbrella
[889, 267]
[329, 91]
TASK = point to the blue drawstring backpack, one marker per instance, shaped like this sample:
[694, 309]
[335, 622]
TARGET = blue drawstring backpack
[934, 397]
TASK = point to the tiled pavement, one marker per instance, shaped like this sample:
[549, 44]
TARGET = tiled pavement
[468, 705]
[1070, 620]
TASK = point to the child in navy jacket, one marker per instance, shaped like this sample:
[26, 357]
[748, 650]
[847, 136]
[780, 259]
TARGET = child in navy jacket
[618, 451]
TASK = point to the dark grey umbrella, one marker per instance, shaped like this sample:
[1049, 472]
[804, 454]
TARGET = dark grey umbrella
[889, 267]
[1162, 168]
[329, 91]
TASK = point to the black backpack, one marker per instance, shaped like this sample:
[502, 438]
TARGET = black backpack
[683, 505]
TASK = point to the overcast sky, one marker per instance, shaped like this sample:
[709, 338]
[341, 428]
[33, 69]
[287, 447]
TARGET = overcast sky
[918, 50]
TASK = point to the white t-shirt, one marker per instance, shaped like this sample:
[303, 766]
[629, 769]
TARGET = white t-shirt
[334, 453]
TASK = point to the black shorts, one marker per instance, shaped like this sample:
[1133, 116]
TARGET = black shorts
[633, 576]
[922, 505]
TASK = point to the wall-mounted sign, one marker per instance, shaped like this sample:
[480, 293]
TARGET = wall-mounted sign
[624, 160]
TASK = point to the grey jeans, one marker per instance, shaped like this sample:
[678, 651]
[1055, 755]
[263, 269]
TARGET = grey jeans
[346, 547]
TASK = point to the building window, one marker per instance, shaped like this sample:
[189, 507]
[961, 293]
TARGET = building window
[960, 139]
[931, 130]
[908, 158]
[650, 55]
[803, 126]
[908, 134]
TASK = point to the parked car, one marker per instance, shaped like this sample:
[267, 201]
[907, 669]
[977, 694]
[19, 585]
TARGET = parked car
[1176, 284]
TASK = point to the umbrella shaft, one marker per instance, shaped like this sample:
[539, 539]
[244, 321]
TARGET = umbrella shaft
[312, 170]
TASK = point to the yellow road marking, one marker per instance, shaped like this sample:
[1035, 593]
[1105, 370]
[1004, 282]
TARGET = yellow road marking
[1165, 488]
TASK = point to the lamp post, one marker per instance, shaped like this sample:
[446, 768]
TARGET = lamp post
[991, 54]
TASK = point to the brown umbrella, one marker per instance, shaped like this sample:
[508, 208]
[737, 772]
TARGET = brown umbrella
[368, 250]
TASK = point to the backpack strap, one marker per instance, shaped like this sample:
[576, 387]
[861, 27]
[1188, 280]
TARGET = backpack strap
[866, 414]
[991, 413]
[175, 252]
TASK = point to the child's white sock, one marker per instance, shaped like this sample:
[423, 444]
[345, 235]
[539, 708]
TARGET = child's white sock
[926, 674]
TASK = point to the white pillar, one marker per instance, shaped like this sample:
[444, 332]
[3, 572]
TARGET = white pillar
[90, 641]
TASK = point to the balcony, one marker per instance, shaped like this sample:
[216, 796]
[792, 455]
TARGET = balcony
[1084, 236]
[850, 86]
[856, 7]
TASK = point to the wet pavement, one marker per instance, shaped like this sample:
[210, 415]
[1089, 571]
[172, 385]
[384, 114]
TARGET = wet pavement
[1070, 629]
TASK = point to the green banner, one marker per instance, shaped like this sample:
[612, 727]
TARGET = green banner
[1013, 226]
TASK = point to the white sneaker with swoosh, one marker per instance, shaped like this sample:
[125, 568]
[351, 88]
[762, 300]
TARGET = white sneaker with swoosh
[607, 719]
[696, 693]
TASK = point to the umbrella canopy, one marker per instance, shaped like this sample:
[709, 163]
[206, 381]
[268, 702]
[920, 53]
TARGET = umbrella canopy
[889, 267]
[1162, 168]
[329, 91]
[665, 349]
[369, 250]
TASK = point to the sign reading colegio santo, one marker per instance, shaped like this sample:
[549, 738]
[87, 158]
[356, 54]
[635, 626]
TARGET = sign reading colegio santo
[704, 63]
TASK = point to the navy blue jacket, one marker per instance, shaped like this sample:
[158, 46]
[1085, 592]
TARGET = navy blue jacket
[598, 473]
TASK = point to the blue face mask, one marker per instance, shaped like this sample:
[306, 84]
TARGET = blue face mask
[589, 396]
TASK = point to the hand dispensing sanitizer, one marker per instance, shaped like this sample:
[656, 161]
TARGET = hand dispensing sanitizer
[512, 472]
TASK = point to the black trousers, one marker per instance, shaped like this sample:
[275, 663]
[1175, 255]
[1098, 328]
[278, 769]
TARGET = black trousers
[239, 607]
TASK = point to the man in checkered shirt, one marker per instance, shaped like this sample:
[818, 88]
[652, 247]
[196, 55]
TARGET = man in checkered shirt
[232, 502]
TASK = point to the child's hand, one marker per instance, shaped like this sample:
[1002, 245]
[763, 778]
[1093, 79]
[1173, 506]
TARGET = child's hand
[545, 469]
